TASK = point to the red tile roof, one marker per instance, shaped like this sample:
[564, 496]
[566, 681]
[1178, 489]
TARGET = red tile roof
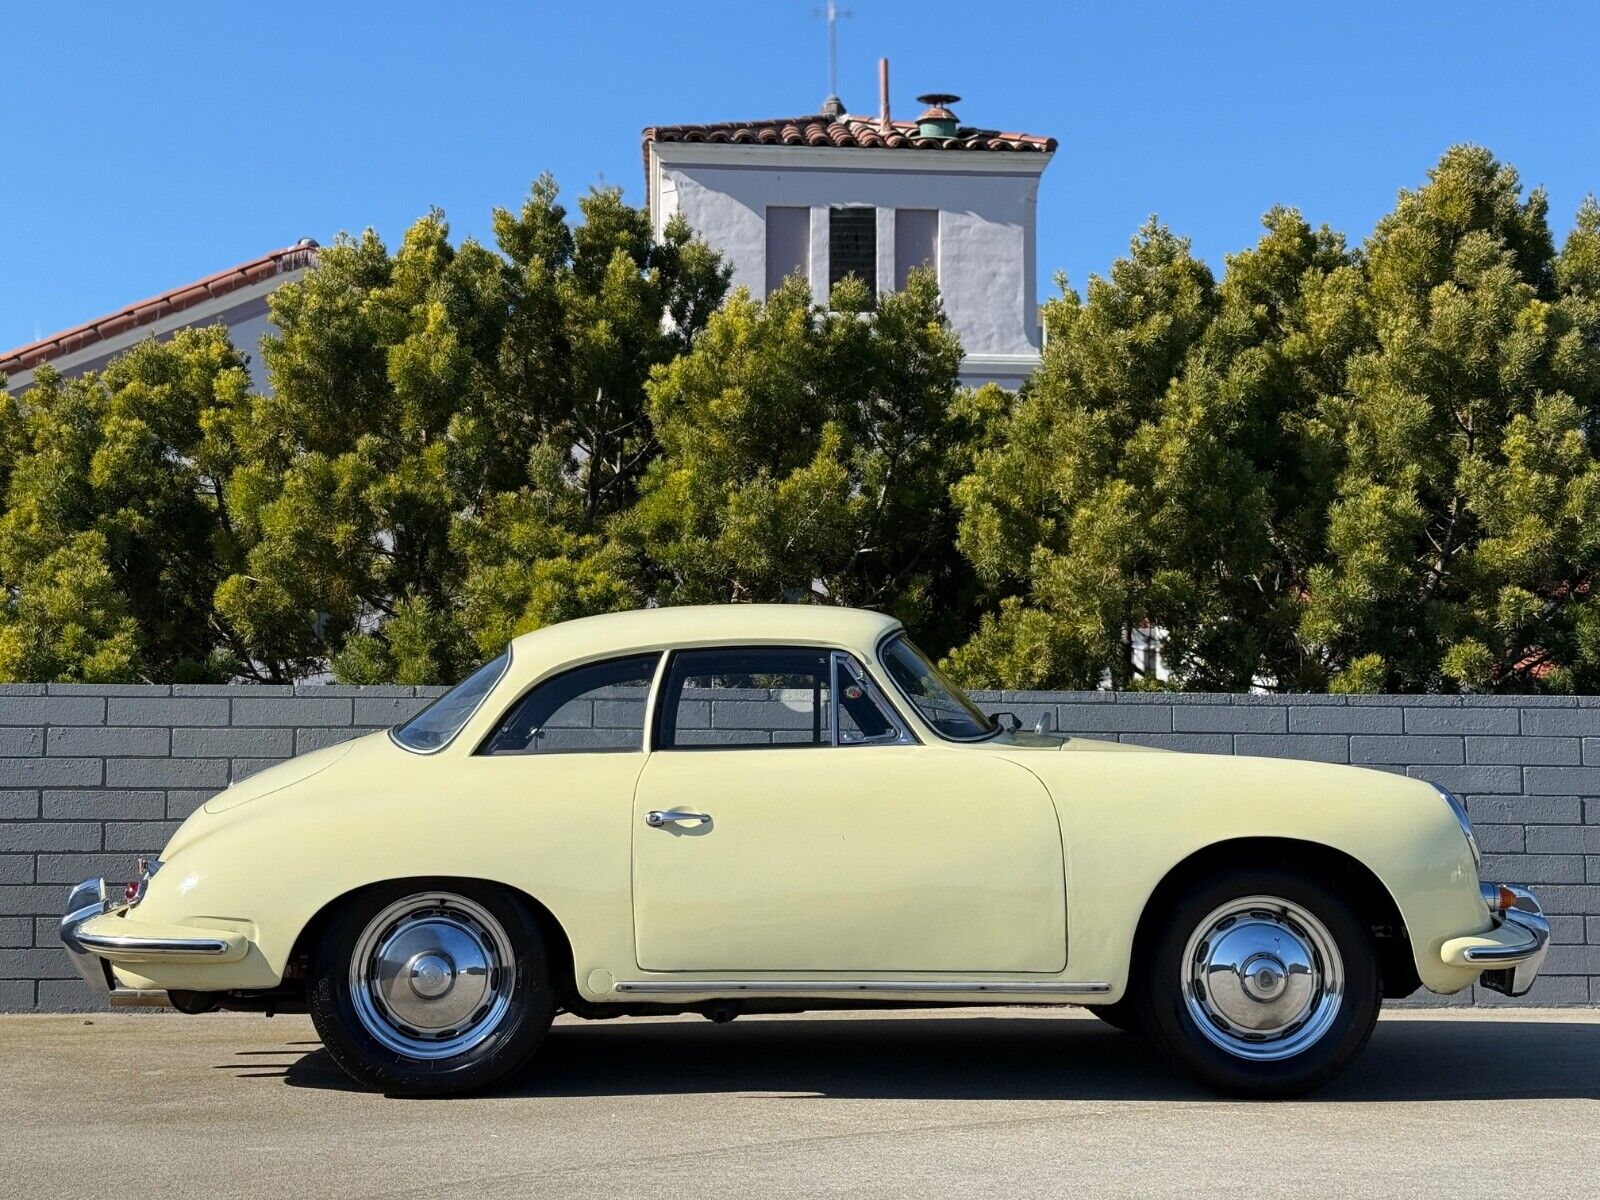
[278, 262]
[845, 132]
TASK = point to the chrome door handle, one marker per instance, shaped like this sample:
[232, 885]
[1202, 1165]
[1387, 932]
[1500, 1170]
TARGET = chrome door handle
[656, 818]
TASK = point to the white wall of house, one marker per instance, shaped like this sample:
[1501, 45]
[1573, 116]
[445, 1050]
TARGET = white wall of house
[986, 226]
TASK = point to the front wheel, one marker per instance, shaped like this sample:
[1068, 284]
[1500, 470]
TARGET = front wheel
[1262, 983]
[429, 991]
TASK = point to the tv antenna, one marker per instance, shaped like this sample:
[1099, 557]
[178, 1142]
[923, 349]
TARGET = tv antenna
[833, 106]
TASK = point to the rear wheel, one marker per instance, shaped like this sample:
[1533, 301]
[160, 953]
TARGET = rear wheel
[425, 991]
[1262, 983]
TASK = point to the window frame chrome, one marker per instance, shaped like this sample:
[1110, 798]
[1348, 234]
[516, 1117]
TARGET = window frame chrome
[877, 651]
[844, 660]
[394, 730]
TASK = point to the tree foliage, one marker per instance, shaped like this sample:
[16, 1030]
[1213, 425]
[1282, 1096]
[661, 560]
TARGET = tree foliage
[1351, 470]
[1335, 467]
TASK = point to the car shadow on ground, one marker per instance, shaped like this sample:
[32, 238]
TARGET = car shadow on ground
[993, 1058]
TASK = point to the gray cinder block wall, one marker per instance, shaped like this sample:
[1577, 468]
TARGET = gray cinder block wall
[91, 777]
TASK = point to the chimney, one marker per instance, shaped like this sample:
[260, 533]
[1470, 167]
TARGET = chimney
[938, 121]
[883, 96]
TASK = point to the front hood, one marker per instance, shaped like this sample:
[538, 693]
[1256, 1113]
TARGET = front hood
[273, 779]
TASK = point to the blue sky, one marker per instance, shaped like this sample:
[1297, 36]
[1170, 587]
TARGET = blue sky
[148, 145]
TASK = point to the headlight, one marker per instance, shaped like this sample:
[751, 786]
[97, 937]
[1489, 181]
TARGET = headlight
[1460, 810]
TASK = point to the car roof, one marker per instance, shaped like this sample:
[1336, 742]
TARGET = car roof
[702, 624]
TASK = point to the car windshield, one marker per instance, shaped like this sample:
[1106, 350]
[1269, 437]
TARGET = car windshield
[435, 725]
[941, 703]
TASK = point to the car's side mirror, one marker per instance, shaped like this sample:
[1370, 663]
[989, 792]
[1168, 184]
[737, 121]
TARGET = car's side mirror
[1009, 721]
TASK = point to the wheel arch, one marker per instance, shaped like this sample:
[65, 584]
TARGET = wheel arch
[1372, 898]
[556, 939]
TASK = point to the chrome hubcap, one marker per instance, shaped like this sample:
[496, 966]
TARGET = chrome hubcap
[432, 975]
[1262, 978]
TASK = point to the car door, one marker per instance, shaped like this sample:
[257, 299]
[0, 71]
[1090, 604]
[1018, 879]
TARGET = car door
[787, 821]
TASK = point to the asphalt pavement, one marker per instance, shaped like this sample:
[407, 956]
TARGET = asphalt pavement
[984, 1102]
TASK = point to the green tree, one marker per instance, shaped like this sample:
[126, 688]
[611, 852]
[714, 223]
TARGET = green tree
[114, 533]
[438, 415]
[808, 454]
[1463, 539]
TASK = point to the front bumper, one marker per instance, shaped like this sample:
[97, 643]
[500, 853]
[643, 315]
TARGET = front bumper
[92, 946]
[1512, 951]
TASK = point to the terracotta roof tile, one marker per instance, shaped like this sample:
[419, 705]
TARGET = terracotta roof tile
[848, 131]
[69, 341]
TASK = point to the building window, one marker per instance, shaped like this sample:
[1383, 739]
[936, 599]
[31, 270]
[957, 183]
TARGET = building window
[853, 246]
[916, 242]
[788, 245]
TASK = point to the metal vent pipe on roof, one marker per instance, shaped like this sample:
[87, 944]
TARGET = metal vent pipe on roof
[938, 121]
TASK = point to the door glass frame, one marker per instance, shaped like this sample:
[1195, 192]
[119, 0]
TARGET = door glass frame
[838, 661]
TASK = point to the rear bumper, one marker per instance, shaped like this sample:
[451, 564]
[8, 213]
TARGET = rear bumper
[1510, 953]
[95, 935]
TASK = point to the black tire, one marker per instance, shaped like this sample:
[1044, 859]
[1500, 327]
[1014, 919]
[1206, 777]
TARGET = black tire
[1167, 1017]
[1121, 1016]
[529, 999]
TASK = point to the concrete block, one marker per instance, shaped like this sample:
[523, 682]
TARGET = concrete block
[1467, 781]
[172, 711]
[32, 899]
[1460, 721]
[263, 742]
[19, 804]
[758, 714]
[1311, 747]
[1563, 839]
[181, 802]
[1561, 781]
[69, 995]
[167, 772]
[1193, 743]
[22, 837]
[294, 711]
[1549, 991]
[1524, 751]
[35, 964]
[49, 772]
[52, 710]
[16, 995]
[104, 804]
[14, 868]
[67, 869]
[1501, 839]
[1408, 749]
[382, 712]
[1561, 722]
[1234, 719]
[1502, 810]
[139, 837]
[1113, 718]
[1533, 868]
[307, 740]
[106, 741]
[16, 933]
[1327, 719]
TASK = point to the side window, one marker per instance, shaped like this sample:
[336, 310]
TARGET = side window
[596, 708]
[863, 716]
[747, 697]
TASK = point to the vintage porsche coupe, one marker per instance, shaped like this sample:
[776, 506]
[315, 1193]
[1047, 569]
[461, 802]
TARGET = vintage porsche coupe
[756, 808]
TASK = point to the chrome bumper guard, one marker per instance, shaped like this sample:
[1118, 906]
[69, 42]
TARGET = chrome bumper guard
[1512, 969]
[84, 902]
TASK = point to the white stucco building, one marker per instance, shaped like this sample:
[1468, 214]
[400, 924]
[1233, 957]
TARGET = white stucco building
[835, 194]
[236, 298]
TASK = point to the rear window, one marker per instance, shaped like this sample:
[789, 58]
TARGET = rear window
[434, 726]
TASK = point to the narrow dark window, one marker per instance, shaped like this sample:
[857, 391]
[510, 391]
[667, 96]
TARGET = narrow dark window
[853, 246]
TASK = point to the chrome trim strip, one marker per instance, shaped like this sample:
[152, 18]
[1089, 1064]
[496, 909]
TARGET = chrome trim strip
[109, 944]
[820, 986]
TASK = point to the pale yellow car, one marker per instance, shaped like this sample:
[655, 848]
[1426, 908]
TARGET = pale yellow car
[756, 808]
